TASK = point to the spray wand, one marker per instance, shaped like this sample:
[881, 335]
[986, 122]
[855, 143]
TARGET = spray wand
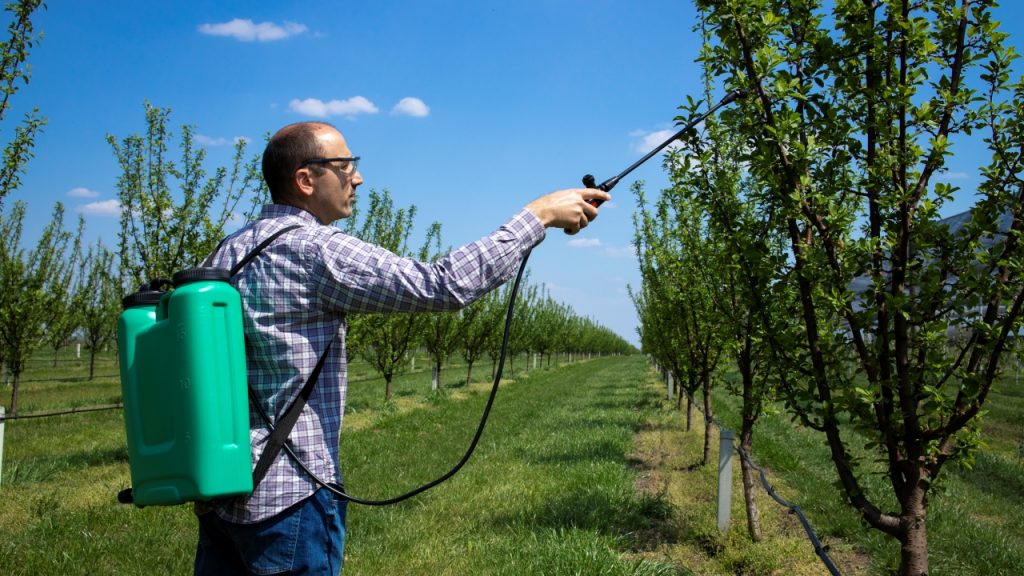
[610, 183]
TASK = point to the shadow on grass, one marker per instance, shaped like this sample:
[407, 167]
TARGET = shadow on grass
[593, 452]
[1003, 478]
[642, 521]
[41, 469]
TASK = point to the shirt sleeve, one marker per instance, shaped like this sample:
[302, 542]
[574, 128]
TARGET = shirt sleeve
[356, 276]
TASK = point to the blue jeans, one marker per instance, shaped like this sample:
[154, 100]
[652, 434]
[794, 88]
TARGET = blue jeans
[308, 538]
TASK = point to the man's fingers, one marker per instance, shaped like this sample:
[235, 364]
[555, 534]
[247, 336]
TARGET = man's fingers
[596, 194]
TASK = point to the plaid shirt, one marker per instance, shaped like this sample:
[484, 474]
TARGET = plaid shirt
[295, 296]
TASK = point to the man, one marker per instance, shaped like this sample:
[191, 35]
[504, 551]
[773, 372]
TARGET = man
[295, 296]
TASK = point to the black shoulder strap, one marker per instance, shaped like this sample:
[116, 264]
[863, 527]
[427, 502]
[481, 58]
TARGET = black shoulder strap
[256, 251]
[279, 433]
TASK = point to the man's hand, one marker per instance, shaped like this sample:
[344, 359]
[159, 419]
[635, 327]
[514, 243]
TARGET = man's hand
[567, 209]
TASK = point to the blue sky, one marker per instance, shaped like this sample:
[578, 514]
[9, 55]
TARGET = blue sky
[468, 110]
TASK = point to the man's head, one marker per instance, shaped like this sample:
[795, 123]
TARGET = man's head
[308, 165]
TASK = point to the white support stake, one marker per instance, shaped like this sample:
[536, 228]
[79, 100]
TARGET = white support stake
[671, 384]
[724, 479]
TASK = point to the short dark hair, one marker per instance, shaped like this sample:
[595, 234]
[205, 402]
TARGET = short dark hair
[289, 147]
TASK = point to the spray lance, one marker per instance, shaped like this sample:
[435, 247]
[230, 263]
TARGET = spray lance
[610, 183]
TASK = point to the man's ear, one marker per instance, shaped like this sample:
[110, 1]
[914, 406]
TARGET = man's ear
[304, 182]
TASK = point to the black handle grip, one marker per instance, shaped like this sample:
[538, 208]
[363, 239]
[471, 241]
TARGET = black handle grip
[589, 182]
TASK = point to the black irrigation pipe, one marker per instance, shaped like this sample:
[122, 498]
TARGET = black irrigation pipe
[819, 549]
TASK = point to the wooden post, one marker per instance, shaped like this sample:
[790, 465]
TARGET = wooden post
[724, 479]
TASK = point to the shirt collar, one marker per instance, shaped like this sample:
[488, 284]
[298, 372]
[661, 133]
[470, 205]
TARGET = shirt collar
[278, 210]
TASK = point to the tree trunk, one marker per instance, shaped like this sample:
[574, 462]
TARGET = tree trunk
[435, 380]
[469, 373]
[749, 483]
[387, 387]
[689, 413]
[92, 362]
[16, 373]
[708, 418]
[914, 541]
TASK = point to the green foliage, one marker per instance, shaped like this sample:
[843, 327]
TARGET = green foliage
[173, 213]
[27, 287]
[879, 317]
[98, 300]
[384, 339]
[64, 317]
[14, 72]
[478, 323]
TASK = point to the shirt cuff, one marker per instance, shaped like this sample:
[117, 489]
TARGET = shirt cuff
[527, 227]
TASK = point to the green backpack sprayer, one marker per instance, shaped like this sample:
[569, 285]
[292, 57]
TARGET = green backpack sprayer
[186, 393]
[184, 384]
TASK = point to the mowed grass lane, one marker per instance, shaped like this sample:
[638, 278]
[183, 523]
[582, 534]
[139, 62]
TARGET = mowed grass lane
[549, 490]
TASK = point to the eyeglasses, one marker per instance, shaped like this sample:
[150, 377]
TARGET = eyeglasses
[351, 163]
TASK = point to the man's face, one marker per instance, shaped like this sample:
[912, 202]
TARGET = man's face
[335, 189]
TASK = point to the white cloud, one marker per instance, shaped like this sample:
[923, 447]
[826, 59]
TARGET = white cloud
[246, 30]
[410, 106]
[627, 251]
[648, 141]
[584, 242]
[82, 193]
[210, 141]
[320, 109]
[101, 208]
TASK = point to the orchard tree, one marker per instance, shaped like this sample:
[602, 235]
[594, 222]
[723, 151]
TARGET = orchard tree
[477, 324]
[98, 299]
[855, 111]
[173, 213]
[14, 72]
[64, 316]
[551, 320]
[678, 259]
[440, 329]
[383, 340]
[26, 284]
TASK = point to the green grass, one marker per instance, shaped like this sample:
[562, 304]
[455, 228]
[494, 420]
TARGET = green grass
[582, 470]
[550, 490]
